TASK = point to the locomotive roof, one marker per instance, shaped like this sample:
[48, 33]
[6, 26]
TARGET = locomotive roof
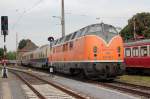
[90, 30]
[140, 42]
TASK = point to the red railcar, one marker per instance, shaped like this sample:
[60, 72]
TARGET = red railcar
[137, 56]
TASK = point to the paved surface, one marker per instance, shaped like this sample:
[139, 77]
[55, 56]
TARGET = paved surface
[13, 88]
[10, 88]
[89, 89]
[51, 93]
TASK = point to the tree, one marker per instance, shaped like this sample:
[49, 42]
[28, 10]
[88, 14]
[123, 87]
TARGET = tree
[1, 53]
[142, 26]
[22, 44]
[11, 55]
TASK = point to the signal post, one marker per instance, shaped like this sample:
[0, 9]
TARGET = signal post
[4, 32]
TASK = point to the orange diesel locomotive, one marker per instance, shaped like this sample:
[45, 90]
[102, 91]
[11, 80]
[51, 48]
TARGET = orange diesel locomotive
[95, 51]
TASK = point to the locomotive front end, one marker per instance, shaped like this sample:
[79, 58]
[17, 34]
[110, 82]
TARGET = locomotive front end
[105, 50]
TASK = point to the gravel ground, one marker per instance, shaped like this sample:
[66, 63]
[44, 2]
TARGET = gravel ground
[94, 91]
[14, 87]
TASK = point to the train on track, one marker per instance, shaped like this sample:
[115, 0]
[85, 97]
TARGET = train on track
[137, 57]
[95, 51]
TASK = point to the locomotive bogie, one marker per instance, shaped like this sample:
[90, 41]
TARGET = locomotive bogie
[91, 69]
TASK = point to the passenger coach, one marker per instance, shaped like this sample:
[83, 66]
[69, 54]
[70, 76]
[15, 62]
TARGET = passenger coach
[137, 56]
[37, 58]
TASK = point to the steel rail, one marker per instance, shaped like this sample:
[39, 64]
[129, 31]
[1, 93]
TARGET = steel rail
[133, 91]
[133, 85]
[67, 91]
[29, 85]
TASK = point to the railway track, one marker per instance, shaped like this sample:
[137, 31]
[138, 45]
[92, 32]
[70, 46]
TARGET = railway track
[139, 90]
[142, 91]
[58, 92]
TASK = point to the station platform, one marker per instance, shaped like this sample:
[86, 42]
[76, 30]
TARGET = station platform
[10, 88]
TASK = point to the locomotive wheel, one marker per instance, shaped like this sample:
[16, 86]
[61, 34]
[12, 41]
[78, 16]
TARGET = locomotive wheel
[72, 72]
[82, 74]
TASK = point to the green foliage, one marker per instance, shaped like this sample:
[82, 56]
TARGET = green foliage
[22, 44]
[142, 26]
[11, 55]
[1, 53]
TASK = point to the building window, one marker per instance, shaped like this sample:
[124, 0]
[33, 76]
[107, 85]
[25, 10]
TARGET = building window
[128, 52]
[144, 51]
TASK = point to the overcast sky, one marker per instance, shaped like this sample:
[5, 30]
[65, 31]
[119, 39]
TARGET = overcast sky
[32, 19]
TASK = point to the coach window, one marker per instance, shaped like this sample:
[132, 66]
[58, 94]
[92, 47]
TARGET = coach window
[128, 52]
[144, 51]
[149, 50]
[31, 56]
[135, 51]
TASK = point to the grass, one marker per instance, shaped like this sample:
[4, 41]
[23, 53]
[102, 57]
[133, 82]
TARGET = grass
[134, 79]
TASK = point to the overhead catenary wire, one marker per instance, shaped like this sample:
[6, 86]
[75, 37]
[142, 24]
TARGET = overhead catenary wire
[25, 12]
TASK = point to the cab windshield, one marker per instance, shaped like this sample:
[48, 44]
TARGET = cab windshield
[107, 32]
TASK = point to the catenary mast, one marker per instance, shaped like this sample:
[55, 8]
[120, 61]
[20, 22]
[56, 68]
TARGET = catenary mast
[63, 18]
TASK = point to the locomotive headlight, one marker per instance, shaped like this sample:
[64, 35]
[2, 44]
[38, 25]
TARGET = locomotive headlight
[95, 49]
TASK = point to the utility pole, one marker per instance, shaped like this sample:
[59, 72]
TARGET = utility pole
[134, 28]
[16, 48]
[63, 18]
